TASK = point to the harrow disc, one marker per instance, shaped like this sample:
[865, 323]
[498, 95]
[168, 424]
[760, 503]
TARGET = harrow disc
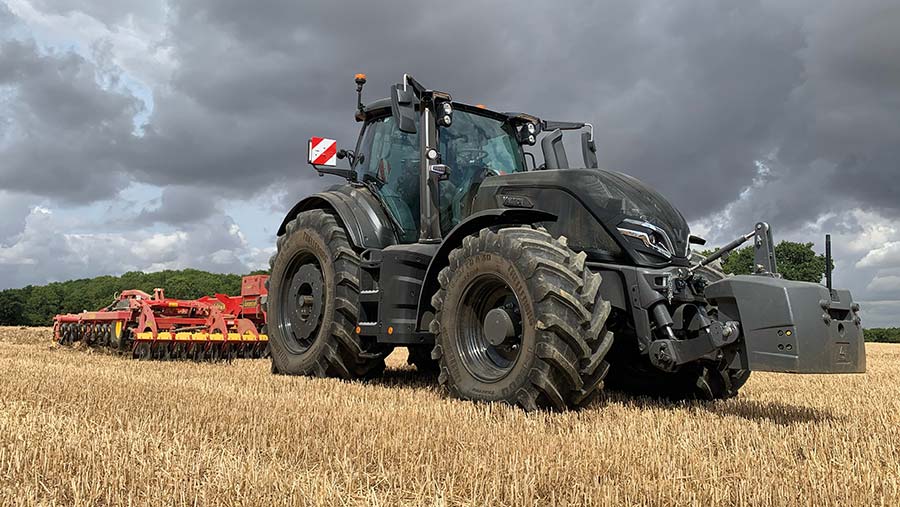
[165, 352]
[141, 351]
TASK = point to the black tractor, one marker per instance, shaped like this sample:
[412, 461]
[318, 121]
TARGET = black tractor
[525, 284]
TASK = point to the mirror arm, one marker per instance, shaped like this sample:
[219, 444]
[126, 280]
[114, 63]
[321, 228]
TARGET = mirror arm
[409, 81]
[343, 172]
[350, 155]
[548, 125]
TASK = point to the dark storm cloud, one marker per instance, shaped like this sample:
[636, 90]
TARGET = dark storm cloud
[66, 136]
[686, 98]
[254, 83]
[684, 95]
[839, 140]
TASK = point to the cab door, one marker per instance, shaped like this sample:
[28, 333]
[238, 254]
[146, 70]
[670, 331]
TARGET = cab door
[390, 161]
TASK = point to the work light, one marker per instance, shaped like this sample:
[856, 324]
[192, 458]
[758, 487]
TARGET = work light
[446, 111]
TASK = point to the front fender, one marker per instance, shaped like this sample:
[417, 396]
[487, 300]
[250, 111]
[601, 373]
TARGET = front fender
[471, 225]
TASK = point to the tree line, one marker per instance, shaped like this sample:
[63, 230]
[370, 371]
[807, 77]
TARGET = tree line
[882, 334]
[796, 261]
[35, 305]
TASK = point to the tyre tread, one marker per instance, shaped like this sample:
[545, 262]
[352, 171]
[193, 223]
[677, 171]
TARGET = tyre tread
[570, 363]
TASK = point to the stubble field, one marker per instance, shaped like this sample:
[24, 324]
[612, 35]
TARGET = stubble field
[88, 428]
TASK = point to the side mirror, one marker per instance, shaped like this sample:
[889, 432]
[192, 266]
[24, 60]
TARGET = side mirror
[403, 109]
[696, 240]
[589, 150]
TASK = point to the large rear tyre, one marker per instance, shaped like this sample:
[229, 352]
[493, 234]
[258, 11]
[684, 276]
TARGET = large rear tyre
[519, 321]
[313, 303]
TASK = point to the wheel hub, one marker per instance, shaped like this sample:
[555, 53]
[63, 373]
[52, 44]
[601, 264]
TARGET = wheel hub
[498, 326]
[489, 332]
[306, 304]
[307, 298]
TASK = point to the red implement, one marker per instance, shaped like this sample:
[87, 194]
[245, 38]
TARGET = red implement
[220, 327]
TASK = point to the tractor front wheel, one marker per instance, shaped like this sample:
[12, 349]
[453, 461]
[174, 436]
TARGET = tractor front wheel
[519, 320]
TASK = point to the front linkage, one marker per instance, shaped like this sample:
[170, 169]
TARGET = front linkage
[758, 322]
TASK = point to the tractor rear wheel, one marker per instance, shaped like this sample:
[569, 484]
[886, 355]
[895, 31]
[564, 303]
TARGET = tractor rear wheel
[519, 320]
[313, 303]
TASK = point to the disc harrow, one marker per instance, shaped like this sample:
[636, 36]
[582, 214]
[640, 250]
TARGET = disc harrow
[212, 328]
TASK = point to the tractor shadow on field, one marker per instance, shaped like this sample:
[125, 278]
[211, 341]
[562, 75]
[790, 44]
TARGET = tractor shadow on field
[776, 412]
[779, 413]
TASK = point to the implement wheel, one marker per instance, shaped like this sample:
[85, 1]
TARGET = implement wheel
[519, 320]
[313, 303]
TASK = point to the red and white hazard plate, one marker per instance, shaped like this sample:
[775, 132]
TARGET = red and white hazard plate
[322, 151]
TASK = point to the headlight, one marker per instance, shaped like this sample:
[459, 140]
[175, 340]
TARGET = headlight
[531, 128]
[448, 109]
[649, 235]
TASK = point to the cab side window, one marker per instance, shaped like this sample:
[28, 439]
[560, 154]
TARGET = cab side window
[391, 162]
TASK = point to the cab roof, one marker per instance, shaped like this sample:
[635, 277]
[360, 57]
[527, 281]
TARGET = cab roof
[384, 104]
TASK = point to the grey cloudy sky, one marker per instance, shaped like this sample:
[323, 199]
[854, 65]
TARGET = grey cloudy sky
[141, 134]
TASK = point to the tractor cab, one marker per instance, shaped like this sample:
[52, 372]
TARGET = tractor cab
[395, 156]
[477, 143]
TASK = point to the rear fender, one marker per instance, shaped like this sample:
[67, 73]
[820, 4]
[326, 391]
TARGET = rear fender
[358, 211]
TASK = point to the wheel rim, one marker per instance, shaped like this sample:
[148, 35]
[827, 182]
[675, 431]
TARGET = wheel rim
[302, 303]
[483, 360]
